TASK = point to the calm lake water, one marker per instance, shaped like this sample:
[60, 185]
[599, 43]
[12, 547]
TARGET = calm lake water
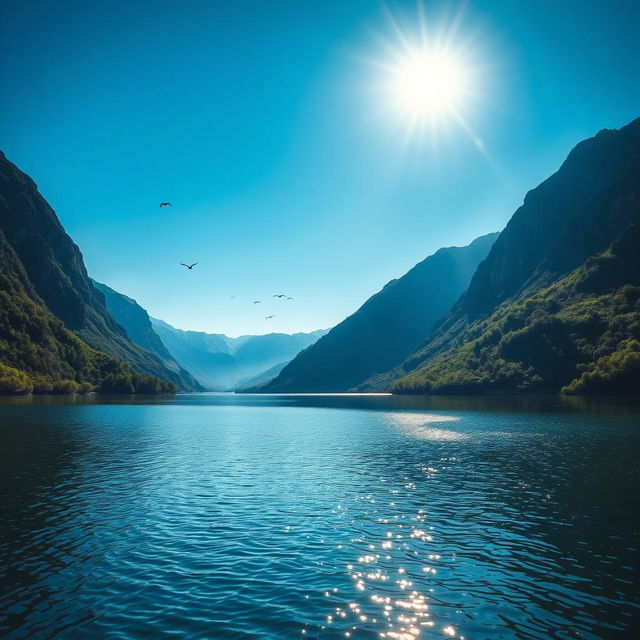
[221, 516]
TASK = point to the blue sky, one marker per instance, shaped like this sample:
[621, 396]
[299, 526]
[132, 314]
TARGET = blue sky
[264, 124]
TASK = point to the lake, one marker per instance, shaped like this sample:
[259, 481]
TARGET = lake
[213, 516]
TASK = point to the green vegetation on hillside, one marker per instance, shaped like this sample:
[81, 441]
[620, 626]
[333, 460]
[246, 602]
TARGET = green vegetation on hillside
[39, 355]
[580, 335]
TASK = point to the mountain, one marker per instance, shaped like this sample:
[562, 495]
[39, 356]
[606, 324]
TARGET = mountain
[39, 354]
[261, 379]
[387, 327]
[47, 294]
[221, 363]
[555, 304]
[136, 322]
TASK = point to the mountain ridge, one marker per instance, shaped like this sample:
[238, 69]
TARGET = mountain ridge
[384, 330]
[54, 278]
[39, 354]
[578, 214]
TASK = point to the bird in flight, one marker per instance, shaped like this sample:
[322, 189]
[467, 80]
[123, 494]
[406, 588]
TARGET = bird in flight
[166, 204]
[279, 295]
[189, 266]
[257, 302]
[269, 317]
[290, 298]
[231, 297]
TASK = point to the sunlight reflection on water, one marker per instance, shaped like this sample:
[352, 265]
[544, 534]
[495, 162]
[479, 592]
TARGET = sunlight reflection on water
[422, 426]
[391, 577]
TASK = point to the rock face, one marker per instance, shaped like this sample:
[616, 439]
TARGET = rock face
[221, 363]
[388, 326]
[572, 215]
[136, 322]
[533, 318]
[56, 274]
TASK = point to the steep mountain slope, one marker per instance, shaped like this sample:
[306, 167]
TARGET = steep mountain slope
[387, 327]
[261, 379]
[135, 320]
[531, 318]
[54, 266]
[221, 363]
[38, 353]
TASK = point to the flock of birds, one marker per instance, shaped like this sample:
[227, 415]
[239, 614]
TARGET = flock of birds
[193, 264]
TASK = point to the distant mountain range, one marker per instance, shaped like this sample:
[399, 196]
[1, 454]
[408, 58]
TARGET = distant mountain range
[387, 327]
[221, 363]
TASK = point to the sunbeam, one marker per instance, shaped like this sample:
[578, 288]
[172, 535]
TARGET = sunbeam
[430, 76]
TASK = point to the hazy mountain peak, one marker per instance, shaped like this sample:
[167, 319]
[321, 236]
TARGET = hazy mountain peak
[222, 363]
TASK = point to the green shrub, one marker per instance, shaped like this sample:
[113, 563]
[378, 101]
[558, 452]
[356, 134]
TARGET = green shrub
[615, 373]
[65, 387]
[42, 384]
[13, 381]
[117, 383]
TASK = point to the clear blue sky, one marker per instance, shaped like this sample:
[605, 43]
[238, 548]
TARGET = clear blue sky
[262, 122]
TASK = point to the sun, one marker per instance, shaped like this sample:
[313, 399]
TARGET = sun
[431, 74]
[426, 84]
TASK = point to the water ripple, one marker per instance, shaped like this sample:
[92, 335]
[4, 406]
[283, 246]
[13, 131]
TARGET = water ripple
[316, 518]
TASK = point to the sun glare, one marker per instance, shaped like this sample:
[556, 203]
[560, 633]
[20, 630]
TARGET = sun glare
[430, 72]
[427, 84]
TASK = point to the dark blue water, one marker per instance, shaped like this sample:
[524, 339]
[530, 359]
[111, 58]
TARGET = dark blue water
[221, 516]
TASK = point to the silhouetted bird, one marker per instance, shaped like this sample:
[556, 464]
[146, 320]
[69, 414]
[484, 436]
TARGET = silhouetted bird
[290, 298]
[269, 317]
[166, 204]
[257, 302]
[189, 266]
[279, 295]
